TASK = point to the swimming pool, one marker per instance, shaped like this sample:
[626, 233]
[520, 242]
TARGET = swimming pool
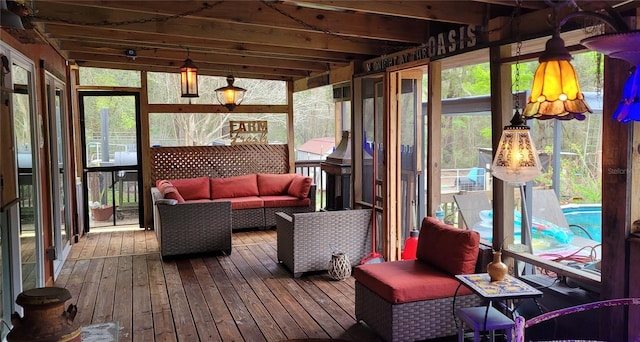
[589, 216]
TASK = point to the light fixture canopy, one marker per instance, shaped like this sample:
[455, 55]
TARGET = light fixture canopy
[9, 19]
[230, 96]
[555, 93]
[189, 79]
[516, 159]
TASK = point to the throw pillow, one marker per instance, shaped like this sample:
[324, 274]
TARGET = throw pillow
[274, 184]
[193, 188]
[169, 191]
[451, 249]
[300, 187]
[237, 186]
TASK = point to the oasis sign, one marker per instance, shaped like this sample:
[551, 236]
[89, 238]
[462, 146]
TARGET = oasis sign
[444, 43]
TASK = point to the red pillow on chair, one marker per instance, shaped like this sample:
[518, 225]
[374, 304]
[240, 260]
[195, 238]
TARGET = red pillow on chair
[451, 249]
[300, 187]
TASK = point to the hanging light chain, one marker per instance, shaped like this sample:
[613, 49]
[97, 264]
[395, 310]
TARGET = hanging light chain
[518, 51]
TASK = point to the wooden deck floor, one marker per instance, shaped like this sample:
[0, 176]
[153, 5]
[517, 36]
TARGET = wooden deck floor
[247, 296]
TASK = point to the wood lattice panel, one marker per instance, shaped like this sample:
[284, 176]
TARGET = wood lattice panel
[217, 161]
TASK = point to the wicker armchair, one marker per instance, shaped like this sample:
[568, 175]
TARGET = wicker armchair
[188, 228]
[306, 241]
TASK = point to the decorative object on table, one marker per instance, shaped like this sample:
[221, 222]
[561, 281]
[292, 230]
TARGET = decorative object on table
[497, 269]
[339, 266]
[44, 317]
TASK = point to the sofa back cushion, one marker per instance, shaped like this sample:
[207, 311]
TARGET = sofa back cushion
[169, 191]
[452, 250]
[193, 188]
[274, 184]
[300, 186]
[238, 186]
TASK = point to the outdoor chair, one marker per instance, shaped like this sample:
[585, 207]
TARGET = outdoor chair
[306, 241]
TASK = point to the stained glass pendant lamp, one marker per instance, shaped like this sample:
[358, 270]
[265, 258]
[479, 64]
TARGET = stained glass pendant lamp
[516, 160]
[555, 93]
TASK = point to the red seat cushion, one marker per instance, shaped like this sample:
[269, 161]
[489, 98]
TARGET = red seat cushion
[300, 186]
[249, 202]
[237, 186]
[452, 250]
[274, 184]
[285, 201]
[193, 188]
[407, 281]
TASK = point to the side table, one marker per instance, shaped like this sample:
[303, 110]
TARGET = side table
[510, 288]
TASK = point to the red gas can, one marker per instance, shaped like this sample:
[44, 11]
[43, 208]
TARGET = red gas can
[410, 246]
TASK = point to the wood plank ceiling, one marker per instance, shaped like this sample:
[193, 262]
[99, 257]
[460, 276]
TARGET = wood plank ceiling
[283, 40]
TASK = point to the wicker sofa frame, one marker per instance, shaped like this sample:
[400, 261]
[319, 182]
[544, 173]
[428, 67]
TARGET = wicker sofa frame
[190, 228]
[306, 241]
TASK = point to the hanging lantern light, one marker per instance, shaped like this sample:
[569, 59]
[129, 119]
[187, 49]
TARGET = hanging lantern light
[516, 159]
[189, 78]
[230, 96]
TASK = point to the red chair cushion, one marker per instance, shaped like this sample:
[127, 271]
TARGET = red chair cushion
[237, 186]
[285, 201]
[193, 188]
[407, 281]
[274, 184]
[452, 250]
[300, 186]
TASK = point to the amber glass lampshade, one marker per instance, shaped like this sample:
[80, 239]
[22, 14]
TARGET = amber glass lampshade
[555, 93]
[230, 96]
[189, 79]
[516, 160]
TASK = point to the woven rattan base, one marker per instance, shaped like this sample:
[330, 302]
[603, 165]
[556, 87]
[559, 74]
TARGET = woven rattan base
[409, 321]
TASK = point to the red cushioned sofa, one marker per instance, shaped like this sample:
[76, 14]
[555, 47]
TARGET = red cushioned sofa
[255, 198]
[413, 299]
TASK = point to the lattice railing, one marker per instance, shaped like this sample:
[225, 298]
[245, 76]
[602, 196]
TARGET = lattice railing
[217, 161]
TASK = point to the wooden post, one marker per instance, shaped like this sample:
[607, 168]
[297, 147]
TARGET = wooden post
[434, 138]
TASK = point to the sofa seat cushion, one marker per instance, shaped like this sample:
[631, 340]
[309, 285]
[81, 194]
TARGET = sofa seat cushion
[407, 281]
[192, 188]
[238, 203]
[285, 201]
[274, 184]
[237, 186]
[451, 249]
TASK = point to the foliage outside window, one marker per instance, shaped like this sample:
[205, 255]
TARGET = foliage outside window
[109, 77]
[165, 88]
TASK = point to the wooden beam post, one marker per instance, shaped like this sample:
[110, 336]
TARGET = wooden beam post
[434, 136]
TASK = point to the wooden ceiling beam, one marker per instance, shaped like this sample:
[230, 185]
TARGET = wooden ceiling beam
[214, 68]
[273, 14]
[152, 40]
[196, 56]
[205, 29]
[444, 11]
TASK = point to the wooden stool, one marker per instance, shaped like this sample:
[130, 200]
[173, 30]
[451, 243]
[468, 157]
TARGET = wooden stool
[475, 318]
